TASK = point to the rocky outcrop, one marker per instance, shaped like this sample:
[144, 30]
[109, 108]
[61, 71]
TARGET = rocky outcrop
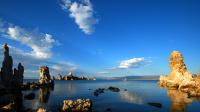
[18, 75]
[59, 77]
[52, 78]
[45, 77]
[179, 78]
[41, 110]
[10, 78]
[80, 105]
[6, 70]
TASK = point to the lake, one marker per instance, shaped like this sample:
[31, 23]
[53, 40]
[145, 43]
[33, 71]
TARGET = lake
[139, 93]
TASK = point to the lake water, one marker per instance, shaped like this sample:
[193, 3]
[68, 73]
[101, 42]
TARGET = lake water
[135, 99]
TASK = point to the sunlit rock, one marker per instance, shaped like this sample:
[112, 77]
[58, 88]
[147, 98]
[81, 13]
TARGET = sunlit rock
[59, 77]
[179, 78]
[80, 105]
[45, 77]
[41, 110]
[52, 77]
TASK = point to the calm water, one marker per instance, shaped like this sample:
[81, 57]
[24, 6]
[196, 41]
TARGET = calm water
[135, 99]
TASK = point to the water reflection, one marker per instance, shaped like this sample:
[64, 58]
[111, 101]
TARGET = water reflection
[179, 100]
[44, 94]
[131, 97]
[41, 100]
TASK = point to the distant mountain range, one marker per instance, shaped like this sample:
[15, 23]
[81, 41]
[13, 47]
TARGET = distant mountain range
[135, 78]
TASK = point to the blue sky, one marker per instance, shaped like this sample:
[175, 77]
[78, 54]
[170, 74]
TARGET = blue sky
[101, 37]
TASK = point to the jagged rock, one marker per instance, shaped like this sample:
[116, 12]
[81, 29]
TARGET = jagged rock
[45, 77]
[8, 108]
[180, 78]
[179, 74]
[41, 110]
[113, 89]
[6, 70]
[155, 104]
[80, 105]
[59, 77]
[7, 77]
[52, 78]
[65, 77]
[18, 75]
[98, 91]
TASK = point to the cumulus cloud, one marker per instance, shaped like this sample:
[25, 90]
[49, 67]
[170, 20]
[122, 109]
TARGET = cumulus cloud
[131, 63]
[40, 52]
[64, 67]
[83, 14]
[40, 43]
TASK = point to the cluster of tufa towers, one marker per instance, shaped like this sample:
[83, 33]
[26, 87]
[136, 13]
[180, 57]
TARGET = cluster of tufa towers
[9, 77]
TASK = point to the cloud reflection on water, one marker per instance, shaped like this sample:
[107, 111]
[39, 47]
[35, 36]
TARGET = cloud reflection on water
[131, 97]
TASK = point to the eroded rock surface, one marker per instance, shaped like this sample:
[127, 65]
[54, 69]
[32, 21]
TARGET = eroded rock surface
[8, 77]
[80, 105]
[59, 77]
[179, 78]
[45, 77]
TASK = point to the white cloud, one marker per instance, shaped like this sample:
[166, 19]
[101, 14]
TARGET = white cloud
[40, 53]
[131, 63]
[40, 43]
[83, 14]
[64, 67]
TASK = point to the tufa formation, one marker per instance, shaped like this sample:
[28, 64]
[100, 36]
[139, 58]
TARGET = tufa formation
[9, 76]
[179, 78]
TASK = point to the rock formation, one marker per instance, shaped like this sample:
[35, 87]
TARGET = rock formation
[6, 70]
[45, 77]
[179, 78]
[80, 105]
[52, 78]
[18, 75]
[59, 77]
[8, 78]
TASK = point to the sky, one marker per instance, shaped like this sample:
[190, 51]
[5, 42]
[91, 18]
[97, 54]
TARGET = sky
[102, 38]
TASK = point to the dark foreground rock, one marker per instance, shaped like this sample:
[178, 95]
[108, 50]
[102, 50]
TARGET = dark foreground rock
[8, 108]
[80, 105]
[114, 89]
[155, 104]
[98, 91]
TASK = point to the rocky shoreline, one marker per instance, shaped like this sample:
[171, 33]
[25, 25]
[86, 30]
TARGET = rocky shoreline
[11, 87]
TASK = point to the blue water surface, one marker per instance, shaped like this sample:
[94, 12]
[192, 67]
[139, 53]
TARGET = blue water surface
[139, 93]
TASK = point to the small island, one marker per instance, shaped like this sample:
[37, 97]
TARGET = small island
[70, 76]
